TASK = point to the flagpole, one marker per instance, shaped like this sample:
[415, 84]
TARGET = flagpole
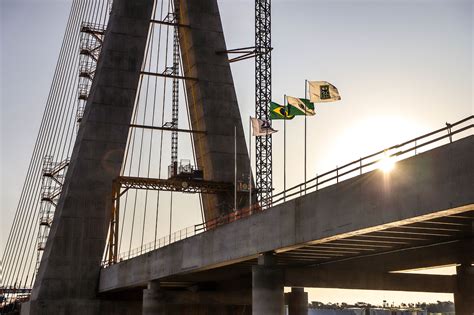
[284, 149]
[235, 168]
[250, 164]
[305, 96]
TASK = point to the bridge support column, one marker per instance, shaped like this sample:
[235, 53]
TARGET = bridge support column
[152, 300]
[267, 287]
[464, 292]
[297, 302]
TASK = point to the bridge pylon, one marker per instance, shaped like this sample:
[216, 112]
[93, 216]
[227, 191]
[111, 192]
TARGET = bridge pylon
[68, 274]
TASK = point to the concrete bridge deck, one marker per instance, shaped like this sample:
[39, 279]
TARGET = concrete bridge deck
[348, 235]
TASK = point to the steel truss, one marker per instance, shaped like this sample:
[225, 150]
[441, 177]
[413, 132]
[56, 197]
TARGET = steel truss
[180, 185]
[123, 183]
[92, 36]
[175, 99]
[263, 94]
[53, 174]
[14, 290]
[244, 53]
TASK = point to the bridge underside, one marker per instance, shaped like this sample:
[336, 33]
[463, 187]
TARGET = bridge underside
[420, 215]
[346, 261]
[362, 261]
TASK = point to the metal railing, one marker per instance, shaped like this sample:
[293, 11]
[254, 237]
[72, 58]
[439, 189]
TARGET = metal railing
[161, 242]
[11, 297]
[373, 161]
[363, 165]
[93, 28]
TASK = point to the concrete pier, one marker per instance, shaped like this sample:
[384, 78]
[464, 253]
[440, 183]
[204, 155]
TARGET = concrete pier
[162, 301]
[267, 287]
[297, 302]
[464, 292]
[152, 300]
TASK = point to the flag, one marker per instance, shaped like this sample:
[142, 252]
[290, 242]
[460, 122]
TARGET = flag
[261, 127]
[323, 91]
[278, 111]
[300, 106]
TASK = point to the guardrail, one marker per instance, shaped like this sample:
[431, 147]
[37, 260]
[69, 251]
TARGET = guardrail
[375, 160]
[161, 242]
[14, 290]
[363, 165]
[186, 233]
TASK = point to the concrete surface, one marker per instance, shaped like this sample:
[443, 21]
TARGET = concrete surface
[153, 300]
[212, 102]
[435, 183]
[68, 276]
[464, 293]
[317, 277]
[267, 287]
[297, 302]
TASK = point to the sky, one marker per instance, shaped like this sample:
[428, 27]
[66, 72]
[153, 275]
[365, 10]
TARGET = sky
[403, 68]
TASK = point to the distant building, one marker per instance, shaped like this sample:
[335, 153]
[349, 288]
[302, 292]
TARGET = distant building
[322, 311]
[366, 311]
[362, 308]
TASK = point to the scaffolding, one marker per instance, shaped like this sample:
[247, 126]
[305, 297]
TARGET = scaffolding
[53, 174]
[183, 182]
[263, 94]
[90, 45]
[173, 72]
[175, 97]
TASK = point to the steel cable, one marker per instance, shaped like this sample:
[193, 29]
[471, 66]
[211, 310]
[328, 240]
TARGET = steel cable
[154, 103]
[27, 195]
[20, 209]
[19, 227]
[162, 119]
[151, 133]
[57, 140]
[61, 138]
[52, 141]
[64, 149]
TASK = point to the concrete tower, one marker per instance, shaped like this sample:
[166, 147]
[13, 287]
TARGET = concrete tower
[68, 275]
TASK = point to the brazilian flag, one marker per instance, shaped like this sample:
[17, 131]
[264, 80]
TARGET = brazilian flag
[300, 106]
[278, 111]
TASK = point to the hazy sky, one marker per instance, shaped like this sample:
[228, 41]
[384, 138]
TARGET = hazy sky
[403, 67]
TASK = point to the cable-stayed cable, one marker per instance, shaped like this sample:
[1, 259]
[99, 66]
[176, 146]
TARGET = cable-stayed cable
[55, 138]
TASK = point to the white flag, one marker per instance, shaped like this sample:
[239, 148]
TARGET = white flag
[322, 91]
[261, 127]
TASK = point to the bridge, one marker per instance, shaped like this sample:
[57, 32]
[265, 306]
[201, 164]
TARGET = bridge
[356, 226]
[417, 216]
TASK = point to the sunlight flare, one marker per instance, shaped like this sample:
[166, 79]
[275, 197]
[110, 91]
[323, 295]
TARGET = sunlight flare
[386, 164]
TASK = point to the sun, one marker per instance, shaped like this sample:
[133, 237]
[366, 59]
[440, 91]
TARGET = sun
[386, 164]
[363, 137]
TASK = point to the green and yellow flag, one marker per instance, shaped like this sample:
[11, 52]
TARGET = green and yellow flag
[300, 106]
[278, 111]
